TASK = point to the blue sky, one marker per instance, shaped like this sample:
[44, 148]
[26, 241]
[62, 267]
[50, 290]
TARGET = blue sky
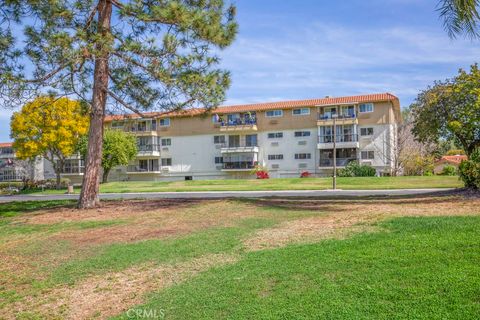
[310, 48]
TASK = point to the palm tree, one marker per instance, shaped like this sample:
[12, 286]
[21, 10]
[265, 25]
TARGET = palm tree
[460, 17]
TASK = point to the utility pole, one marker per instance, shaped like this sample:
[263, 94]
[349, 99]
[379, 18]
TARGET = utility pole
[334, 117]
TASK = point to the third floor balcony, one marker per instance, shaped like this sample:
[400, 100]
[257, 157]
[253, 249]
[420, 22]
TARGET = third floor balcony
[342, 118]
[236, 122]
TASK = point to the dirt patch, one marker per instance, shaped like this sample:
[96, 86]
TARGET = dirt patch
[108, 295]
[137, 220]
[308, 229]
[345, 217]
[109, 210]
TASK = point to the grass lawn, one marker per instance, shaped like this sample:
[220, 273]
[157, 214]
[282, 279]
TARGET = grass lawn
[366, 183]
[414, 257]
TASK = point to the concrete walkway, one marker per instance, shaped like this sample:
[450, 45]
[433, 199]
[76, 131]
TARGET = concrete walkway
[233, 194]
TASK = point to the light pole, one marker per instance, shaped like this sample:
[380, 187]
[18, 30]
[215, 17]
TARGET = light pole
[334, 117]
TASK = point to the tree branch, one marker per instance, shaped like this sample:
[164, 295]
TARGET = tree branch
[125, 104]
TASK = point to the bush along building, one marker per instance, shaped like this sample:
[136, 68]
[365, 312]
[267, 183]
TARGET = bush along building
[288, 138]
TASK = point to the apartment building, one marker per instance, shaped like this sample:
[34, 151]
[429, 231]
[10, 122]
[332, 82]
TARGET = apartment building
[287, 137]
[13, 169]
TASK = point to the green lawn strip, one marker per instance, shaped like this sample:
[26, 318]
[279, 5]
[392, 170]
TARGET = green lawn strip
[285, 184]
[419, 268]
[11, 209]
[20, 228]
[357, 183]
[119, 256]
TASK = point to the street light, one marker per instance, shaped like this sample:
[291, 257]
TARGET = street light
[334, 117]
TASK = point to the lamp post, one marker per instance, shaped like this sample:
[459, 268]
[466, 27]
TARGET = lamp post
[334, 117]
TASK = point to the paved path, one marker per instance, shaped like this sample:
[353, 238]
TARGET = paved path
[233, 194]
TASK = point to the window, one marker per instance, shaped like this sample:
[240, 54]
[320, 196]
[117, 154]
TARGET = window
[301, 112]
[218, 139]
[303, 156]
[164, 122]
[166, 142]
[274, 113]
[368, 155]
[366, 131]
[166, 162]
[251, 140]
[233, 141]
[366, 107]
[302, 133]
[117, 124]
[218, 160]
[275, 135]
[275, 157]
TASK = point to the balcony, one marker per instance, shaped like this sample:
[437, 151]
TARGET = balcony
[342, 141]
[238, 125]
[328, 162]
[326, 119]
[238, 166]
[143, 169]
[148, 150]
[239, 149]
[145, 128]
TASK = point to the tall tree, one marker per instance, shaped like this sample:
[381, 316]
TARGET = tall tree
[50, 128]
[119, 148]
[450, 110]
[137, 54]
[460, 17]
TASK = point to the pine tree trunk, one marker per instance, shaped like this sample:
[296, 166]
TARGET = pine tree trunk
[89, 196]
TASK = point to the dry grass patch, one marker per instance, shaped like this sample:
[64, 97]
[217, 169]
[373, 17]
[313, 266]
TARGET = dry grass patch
[113, 293]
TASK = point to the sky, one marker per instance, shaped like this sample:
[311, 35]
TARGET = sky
[301, 49]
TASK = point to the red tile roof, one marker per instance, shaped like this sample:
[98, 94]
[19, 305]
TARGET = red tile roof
[456, 159]
[5, 144]
[378, 97]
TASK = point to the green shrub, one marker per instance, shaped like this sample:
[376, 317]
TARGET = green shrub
[355, 169]
[5, 185]
[469, 171]
[45, 184]
[449, 170]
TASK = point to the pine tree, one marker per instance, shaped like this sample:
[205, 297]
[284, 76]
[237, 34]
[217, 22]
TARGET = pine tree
[139, 55]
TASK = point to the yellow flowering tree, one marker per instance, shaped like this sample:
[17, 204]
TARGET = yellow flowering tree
[49, 127]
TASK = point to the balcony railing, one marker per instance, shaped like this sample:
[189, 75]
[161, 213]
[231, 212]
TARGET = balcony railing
[341, 162]
[244, 165]
[148, 147]
[133, 168]
[73, 170]
[235, 145]
[328, 116]
[238, 122]
[338, 138]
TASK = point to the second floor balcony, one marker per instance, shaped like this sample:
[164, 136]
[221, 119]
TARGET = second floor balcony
[148, 150]
[240, 148]
[342, 141]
